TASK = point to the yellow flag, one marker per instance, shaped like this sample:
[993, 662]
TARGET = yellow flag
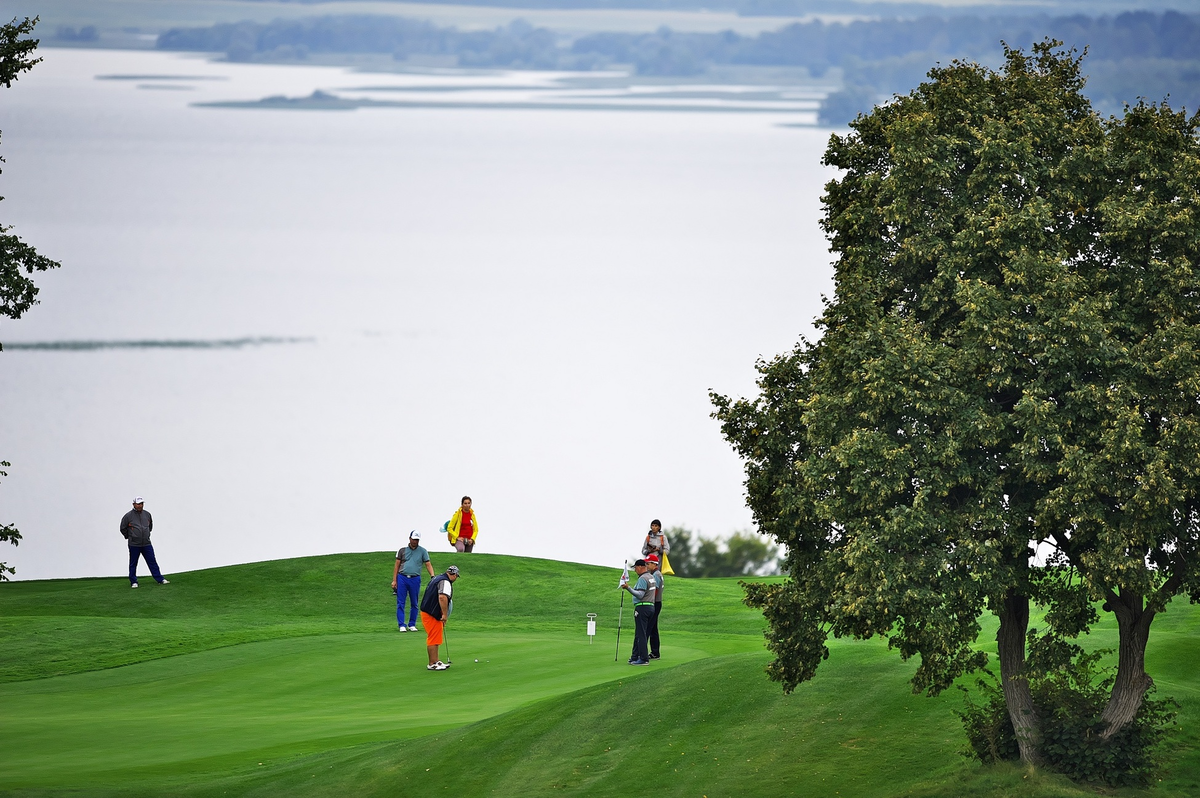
[666, 566]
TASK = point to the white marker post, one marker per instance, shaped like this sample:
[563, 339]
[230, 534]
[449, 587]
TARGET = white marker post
[591, 626]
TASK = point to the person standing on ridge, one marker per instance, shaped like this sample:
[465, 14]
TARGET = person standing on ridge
[656, 541]
[435, 610]
[406, 579]
[643, 610]
[656, 574]
[463, 527]
[136, 526]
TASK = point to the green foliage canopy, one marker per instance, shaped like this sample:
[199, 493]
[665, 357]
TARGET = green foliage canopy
[1008, 366]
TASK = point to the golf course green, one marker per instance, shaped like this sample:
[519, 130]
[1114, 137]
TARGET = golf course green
[289, 678]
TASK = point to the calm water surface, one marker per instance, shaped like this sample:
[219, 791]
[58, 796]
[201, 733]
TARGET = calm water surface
[527, 306]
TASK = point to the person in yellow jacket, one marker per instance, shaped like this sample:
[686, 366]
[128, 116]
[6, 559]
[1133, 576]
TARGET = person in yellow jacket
[463, 527]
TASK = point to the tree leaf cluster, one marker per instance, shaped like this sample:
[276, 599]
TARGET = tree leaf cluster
[16, 49]
[1004, 404]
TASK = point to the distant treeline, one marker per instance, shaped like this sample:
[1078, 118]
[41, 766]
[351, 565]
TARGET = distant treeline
[1129, 55]
[516, 46]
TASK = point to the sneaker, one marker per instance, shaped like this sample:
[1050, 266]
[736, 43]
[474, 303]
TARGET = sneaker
[654, 656]
[134, 584]
[412, 627]
[437, 666]
[165, 582]
[443, 664]
[403, 629]
[640, 662]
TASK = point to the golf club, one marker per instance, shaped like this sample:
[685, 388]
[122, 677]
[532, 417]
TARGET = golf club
[446, 642]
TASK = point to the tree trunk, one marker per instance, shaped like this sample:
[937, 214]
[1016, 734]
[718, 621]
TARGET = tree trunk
[1010, 640]
[1132, 682]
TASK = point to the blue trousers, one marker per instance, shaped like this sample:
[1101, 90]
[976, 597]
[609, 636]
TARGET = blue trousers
[407, 586]
[146, 551]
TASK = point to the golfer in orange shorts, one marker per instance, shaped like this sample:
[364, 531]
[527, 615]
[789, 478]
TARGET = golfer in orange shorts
[435, 609]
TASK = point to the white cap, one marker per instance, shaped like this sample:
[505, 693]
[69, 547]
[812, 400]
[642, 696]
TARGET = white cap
[138, 500]
[414, 535]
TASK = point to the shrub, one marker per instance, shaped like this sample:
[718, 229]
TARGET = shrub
[1069, 700]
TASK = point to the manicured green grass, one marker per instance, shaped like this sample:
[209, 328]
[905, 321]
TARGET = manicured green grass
[230, 665]
[57, 627]
[234, 706]
[294, 681]
[710, 727]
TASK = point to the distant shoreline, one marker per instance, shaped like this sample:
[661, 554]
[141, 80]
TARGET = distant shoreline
[323, 101]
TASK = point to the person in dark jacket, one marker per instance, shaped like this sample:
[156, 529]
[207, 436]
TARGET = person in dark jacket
[435, 610]
[136, 526]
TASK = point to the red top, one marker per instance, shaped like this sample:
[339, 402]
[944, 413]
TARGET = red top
[466, 527]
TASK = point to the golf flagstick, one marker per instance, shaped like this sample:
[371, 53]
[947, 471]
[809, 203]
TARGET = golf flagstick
[621, 613]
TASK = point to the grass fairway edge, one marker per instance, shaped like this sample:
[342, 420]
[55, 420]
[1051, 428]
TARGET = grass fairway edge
[325, 714]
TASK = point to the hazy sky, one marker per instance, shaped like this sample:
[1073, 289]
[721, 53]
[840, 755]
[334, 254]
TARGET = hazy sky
[525, 306]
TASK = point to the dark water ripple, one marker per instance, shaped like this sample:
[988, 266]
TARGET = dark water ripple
[203, 343]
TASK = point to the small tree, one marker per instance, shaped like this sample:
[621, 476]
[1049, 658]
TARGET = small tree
[17, 259]
[1010, 361]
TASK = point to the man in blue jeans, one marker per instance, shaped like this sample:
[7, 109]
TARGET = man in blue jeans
[406, 579]
[135, 527]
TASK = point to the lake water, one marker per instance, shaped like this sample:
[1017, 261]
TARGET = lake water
[524, 305]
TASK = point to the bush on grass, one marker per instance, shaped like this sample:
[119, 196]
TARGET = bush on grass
[1069, 699]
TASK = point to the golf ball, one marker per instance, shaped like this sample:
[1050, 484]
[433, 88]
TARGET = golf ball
[477, 660]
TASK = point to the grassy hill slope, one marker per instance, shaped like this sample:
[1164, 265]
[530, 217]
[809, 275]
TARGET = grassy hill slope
[295, 683]
[56, 627]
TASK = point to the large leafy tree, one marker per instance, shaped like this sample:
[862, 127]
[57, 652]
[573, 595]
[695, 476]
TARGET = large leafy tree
[18, 260]
[1004, 404]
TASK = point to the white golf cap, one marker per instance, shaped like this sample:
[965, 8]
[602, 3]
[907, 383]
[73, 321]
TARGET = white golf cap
[414, 535]
[138, 500]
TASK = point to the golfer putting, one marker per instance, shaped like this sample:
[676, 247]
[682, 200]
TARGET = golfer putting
[435, 610]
